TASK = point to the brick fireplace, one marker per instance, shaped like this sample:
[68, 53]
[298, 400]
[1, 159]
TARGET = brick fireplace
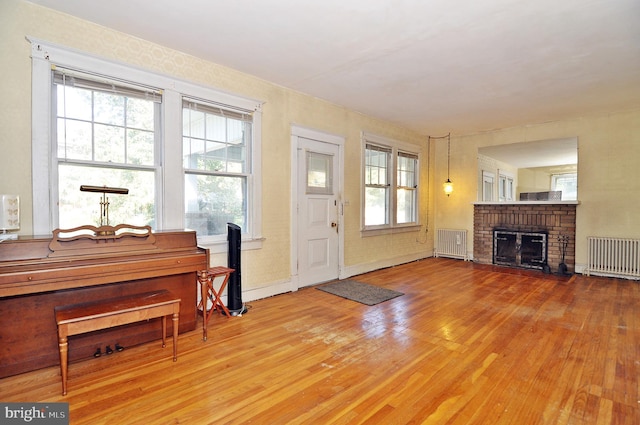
[553, 219]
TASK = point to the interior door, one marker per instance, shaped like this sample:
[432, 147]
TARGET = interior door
[318, 206]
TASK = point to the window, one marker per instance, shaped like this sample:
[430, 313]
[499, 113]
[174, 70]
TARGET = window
[105, 136]
[319, 173]
[121, 126]
[216, 162]
[487, 186]
[567, 183]
[506, 187]
[390, 196]
[377, 185]
[407, 188]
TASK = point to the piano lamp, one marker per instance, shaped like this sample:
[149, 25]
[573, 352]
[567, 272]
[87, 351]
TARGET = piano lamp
[9, 216]
[104, 202]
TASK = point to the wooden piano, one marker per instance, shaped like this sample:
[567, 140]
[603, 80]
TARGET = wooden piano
[85, 264]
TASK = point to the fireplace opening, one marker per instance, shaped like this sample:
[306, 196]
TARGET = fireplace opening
[520, 249]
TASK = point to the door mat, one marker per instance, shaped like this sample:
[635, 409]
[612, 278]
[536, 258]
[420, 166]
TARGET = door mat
[358, 291]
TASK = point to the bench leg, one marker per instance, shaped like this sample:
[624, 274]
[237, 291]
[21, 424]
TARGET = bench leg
[203, 279]
[64, 363]
[176, 317]
[164, 331]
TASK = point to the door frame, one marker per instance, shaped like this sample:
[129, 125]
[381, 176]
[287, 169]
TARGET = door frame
[298, 132]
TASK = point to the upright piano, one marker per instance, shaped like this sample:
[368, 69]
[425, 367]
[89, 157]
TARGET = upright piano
[86, 264]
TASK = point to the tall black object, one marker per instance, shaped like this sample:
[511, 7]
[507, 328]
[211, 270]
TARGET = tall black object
[234, 286]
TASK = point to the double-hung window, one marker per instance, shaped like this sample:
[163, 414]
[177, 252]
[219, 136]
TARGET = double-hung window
[190, 155]
[407, 188]
[390, 196]
[105, 136]
[377, 182]
[506, 188]
[217, 163]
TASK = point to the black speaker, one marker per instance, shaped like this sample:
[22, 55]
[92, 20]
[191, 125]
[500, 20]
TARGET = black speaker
[234, 286]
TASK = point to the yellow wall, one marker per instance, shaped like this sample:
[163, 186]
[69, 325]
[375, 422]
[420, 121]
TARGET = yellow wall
[608, 174]
[261, 268]
[608, 170]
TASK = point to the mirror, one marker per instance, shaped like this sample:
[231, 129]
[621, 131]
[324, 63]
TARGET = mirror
[537, 170]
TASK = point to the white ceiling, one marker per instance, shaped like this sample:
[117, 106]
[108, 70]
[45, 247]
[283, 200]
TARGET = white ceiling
[435, 66]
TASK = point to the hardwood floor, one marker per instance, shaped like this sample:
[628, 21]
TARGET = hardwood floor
[466, 344]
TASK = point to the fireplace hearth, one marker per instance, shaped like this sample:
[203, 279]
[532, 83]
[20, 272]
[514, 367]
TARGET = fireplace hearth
[520, 249]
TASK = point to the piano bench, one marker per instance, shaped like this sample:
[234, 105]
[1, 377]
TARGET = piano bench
[92, 316]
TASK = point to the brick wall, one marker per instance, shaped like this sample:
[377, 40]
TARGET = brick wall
[555, 219]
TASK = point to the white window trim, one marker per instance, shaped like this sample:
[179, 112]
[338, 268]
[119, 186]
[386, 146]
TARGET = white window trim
[170, 215]
[488, 177]
[393, 226]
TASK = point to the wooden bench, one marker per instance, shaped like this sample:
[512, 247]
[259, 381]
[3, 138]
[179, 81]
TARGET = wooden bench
[92, 316]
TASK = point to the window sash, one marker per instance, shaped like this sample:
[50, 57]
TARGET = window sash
[377, 185]
[208, 138]
[110, 146]
[406, 188]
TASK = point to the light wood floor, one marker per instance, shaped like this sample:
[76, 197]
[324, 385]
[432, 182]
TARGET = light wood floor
[466, 344]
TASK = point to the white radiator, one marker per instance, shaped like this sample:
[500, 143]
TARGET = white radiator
[615, 257]
[451, 243]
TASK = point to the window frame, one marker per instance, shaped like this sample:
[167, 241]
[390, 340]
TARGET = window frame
[222, 112]
[554, 181]
[395, 148]
[506, 186]
[488, 183]
[169, 178]
[100, 84]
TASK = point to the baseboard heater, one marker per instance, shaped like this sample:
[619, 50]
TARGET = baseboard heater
[613, 257]
[451, 243]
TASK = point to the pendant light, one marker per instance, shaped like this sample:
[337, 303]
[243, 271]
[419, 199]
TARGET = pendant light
[448, 185]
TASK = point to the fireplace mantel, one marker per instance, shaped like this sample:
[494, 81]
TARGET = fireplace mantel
[529, 203]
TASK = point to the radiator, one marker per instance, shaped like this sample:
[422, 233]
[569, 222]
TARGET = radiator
[615, 257]
[451, 243]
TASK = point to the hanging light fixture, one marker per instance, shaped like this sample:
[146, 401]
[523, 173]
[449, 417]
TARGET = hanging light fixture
[448, 185]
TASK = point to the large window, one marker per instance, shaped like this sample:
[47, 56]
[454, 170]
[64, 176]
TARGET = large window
[105, 136]
[170, 142]
[390, 196]
[216, 162]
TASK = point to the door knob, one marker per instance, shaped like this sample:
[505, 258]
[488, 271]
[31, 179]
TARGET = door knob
[334, 224]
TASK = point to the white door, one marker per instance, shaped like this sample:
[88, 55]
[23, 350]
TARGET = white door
[317, 211]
